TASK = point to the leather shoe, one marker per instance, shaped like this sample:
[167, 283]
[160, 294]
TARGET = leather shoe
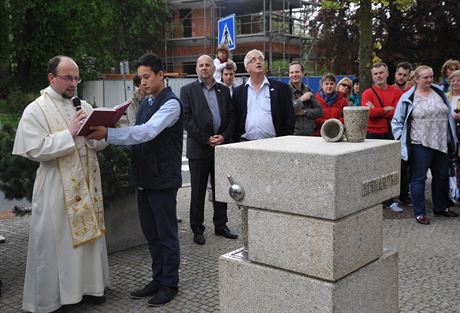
[149, 290]
[225, 232]
[199, 239]
[422, 219]
[164, 295]
[447, 213]
[93, 299]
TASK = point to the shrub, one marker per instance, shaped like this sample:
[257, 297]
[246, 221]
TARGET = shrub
[115, 165]
[17, 174]
[17, 101]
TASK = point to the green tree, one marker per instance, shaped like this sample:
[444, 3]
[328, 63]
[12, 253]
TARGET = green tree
[104, 31]
[367, 10]
[5, 52]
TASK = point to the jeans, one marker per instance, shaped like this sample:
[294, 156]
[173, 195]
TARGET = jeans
[422, 159]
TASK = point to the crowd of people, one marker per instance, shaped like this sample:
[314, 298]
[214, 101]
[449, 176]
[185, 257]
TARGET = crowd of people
[67, 256]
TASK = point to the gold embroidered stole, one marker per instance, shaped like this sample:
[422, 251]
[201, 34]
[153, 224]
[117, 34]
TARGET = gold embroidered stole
[83, 198]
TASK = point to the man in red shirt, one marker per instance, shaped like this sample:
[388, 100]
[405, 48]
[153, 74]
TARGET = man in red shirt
[381, 100]
[402, 76]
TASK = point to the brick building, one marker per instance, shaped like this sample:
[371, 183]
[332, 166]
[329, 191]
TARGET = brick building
[275, 27]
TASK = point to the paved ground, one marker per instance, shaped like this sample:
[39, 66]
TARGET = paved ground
[429, 266]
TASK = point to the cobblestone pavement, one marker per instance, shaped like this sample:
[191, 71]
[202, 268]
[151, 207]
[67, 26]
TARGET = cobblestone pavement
[429, 266]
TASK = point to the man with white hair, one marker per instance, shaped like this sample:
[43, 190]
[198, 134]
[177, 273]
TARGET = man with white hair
[263, 106]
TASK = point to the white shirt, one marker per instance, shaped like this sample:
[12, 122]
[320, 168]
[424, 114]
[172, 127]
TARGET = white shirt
[219, 68]
[165, 117]
[259, 122]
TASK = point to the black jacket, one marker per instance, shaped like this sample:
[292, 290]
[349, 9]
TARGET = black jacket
[198, 119]
[283, 115]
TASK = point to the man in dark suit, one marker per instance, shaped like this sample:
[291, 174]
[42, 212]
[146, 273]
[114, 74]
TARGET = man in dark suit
[209, 121]
[263, 106]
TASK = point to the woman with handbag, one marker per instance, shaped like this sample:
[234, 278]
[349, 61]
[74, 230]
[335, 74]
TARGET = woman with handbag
[423, 124]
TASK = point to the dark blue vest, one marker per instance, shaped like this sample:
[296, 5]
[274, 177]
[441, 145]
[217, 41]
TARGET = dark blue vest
[157, 163]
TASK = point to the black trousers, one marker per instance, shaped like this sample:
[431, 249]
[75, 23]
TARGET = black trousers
[157, 213]
[405, 179]
[200, 170]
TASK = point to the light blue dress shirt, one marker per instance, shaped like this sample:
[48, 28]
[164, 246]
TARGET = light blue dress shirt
[259, 122]
[165, 117]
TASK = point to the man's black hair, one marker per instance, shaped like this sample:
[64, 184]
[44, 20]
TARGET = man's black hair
[151, 60]
[405, 66]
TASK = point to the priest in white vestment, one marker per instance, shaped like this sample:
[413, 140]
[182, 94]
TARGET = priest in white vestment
[67, 255]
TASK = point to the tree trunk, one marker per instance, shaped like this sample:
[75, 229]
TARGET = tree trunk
[365, 45]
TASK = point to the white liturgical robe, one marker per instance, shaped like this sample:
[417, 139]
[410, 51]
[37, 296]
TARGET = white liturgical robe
[57, 273]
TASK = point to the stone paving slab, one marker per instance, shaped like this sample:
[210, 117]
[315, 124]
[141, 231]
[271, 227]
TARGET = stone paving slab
[429, 266]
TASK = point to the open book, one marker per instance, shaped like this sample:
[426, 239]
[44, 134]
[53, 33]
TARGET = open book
[103, 117]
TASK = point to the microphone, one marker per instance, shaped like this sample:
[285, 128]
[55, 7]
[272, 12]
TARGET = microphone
[76, 103]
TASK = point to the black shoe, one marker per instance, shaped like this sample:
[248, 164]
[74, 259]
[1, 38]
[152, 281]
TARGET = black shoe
[406, 201]
[147, 291]
[199, 239]
[447, 213]
[164, 295]
[93, 299]
[225, 232]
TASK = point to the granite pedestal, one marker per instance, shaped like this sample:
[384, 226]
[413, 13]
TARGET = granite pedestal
[314, 225]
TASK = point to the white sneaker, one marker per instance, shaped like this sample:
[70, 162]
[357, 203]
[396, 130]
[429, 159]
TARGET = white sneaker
[395, 208]
[2, 239]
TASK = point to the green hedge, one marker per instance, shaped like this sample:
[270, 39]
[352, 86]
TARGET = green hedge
[17, 174]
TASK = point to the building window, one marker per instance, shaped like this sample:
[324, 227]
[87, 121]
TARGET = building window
[186, 21]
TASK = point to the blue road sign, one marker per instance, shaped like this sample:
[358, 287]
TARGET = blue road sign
[226, 31]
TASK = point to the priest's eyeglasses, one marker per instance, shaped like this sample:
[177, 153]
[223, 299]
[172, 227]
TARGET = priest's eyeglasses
[69, 78]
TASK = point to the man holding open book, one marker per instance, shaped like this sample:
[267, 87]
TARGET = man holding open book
[67, 256]
[157, 143]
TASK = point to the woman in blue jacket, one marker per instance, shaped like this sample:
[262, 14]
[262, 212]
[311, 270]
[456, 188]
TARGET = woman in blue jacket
[426, 129]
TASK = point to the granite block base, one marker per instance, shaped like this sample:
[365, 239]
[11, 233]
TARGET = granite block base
[250, 287]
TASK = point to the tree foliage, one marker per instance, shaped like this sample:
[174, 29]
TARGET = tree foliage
[102, 31]
[97, 34]
[420, 32]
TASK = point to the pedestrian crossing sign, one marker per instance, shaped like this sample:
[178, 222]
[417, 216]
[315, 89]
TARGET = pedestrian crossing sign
[226, 31]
